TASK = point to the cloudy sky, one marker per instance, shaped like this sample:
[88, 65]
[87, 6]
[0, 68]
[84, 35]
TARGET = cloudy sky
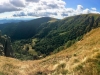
[47, 8]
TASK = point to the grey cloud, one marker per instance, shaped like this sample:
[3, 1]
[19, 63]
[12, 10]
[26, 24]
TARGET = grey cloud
[31, 14]
[17, 3]
[32, 0]
[51, 13]
[25, 14]
[69, 10]
[20, 14]
[41, 14]
[64, 14]
[35, 14]
[53, 3]
[6, 7]
[39, 8]
[45, 7]
[53, 6]
[44, 3]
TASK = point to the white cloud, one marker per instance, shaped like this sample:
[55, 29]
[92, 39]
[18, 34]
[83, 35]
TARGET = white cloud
[42, 8]
[79, 8]
[94, 9]
[86, 11]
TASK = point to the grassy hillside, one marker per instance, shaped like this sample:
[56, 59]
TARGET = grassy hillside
[82, 58]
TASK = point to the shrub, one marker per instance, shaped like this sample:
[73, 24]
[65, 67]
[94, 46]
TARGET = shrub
[64, 72]
[78, 67]
[61, 66]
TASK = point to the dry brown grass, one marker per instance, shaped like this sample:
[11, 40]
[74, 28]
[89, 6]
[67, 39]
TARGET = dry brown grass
[83, 58]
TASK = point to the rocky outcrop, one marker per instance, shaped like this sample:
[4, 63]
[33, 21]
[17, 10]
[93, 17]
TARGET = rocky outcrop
[5, 46]
[1, 49]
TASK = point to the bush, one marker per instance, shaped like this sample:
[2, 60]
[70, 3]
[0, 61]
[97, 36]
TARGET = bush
[79, 67]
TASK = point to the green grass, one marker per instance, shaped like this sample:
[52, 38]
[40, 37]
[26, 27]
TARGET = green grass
[1, 73]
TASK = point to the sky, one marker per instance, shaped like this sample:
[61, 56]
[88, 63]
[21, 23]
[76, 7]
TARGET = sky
[24, 9]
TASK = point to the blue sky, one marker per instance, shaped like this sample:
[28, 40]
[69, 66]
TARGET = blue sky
[85, 3]
[19, 9]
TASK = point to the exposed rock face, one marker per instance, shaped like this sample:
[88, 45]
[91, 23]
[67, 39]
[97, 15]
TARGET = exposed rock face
[5, 46]
[1, 49]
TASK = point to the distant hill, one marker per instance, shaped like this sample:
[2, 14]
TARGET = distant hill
[23, 30]
[3, 21]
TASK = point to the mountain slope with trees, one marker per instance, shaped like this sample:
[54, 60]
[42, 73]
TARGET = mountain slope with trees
[63, 33]
[23, 30]
[51, 36]
[82, 58]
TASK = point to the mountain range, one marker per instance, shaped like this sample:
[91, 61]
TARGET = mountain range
[3, 21]
[69, 46]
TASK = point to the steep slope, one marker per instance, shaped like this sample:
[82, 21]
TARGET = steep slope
[53, 36]
[23, 30]
[82, 58]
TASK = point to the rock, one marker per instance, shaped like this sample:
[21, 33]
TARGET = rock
[5, 46]
[1, 49]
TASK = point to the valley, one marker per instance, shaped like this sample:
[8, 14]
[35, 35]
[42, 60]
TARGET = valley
[49, 46]
[77, 59]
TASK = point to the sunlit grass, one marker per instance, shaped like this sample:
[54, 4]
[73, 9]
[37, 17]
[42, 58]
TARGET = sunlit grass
[82, 58]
